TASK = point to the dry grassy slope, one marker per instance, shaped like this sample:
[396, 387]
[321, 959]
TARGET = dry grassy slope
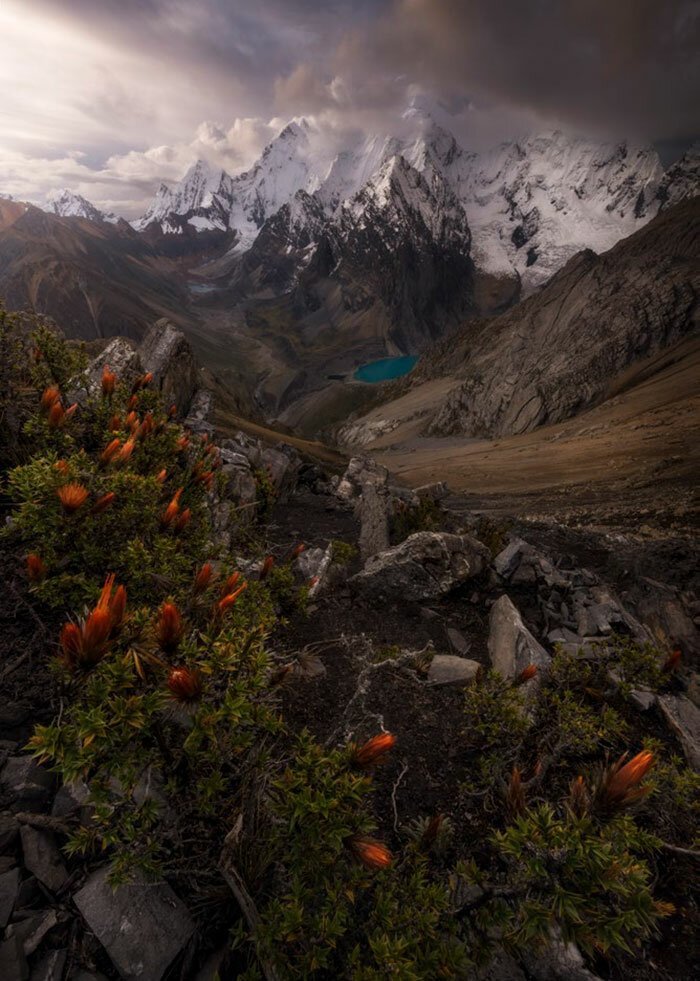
[637, 453]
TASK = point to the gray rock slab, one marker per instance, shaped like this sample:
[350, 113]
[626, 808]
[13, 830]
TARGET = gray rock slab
[9, 887]
[448, 669]
[683, 717]
[511, 645]
[42, 857]
[143, 926]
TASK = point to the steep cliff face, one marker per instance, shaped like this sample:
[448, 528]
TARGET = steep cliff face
[557, 353]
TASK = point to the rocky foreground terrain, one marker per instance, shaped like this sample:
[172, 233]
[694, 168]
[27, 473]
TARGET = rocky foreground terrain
[412, 597]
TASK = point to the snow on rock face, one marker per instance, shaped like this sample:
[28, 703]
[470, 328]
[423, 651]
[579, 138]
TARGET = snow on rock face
[67, 204]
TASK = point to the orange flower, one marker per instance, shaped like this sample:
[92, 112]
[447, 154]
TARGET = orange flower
[172, 510]
[182, 443]
[185, 684]
[579, 798]
[113, 603]
[72, 497]
[36, 570]
[102, 503]
[374, 751]
[527, 674]
[619, 786]
[71, 641]
[109, 381]
[132, 403]
[170, 627]
[62, 467]
[203, 578]
[182, 520]
[671, 662]
[146, 427]
[49, 397]
[298, 550]
[115, 423]
[131, 421]
[125, 452]
[147, 379]
[96, 631]
[161, 478]
[172, 411]
[110, 451]
[230, 583]
[56, 416]
[372, 853]
[266, 567]
[228, 600]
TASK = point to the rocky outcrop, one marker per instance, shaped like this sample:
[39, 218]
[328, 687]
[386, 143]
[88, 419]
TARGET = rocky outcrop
[166, 352]
[511, 645]
[561, 350]
[424, 566]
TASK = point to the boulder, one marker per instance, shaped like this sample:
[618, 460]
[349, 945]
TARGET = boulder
[424, 566]
[13, 963]
[282, 465]
[374, 520]
[9, 829]
[508, 560]
[432, 492]
[683, 717]
[448, 669]
[200, 411]
[166, 352]
[143, 926]
[511, 645]
[29, 784]
[360, 471]
[120, 356]
[42, 857]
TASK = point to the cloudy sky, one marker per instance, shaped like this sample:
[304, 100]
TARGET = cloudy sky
[108, 97]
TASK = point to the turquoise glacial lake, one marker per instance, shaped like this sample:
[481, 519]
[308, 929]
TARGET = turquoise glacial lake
[385, 369]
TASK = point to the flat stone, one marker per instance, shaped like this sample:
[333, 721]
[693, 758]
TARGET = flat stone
[507, 561]
[511, 645]
[143, 926]
[448, 669]
[30, 784]
[642, 699]
[432, 492]
[50, 967]
[70, 798]
[42, 857]
[33, 930]
[423, 567]
[458, 642]
[683, 717]
[9, 888]
[13, 963]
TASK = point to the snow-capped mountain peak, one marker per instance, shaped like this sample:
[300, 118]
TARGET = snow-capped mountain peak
[68, 204]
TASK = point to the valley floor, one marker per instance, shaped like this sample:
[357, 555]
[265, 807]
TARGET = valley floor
[631, 462]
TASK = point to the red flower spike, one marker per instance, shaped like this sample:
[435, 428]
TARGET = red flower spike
[620, 783]
[298, 550]
[182, 443]
[72, 497]
[56, 416]
[172, 510]
[170, 627]
[172, 411]
[62, 467]
[117, 607]
[185, 684]
[230, 583]
[102, 503]
[70, 412]
[49, 397]
[223, 605]
[162, 476]
[182, 520]
[110, 451]
[266, 567]
[109, 382]
[125, 452]
[203, 578]
[115, 423]
[672, 661]
[132, 403]
[36, 570]
[147, 379]
[71, 641]
[372, 853]
[374, 751]
[96, 631]
[527, 674]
